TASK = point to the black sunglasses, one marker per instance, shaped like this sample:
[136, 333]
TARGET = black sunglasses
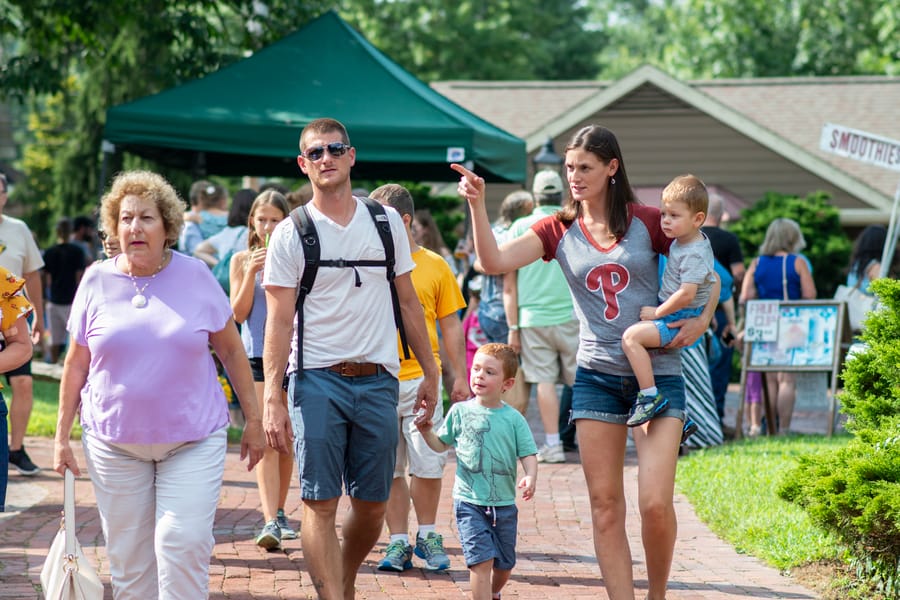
[335, 149]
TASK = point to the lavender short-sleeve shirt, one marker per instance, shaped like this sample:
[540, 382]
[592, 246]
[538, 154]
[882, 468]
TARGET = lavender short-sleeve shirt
[152, 379]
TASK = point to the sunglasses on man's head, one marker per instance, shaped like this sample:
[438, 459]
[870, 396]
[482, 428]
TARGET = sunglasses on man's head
[335, 149]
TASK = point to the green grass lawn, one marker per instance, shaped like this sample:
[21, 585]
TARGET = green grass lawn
[733, 490]
[43, 415]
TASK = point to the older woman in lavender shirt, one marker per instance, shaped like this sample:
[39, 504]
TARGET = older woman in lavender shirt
[153, 413]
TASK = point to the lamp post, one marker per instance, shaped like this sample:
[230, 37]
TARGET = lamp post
[547, 158]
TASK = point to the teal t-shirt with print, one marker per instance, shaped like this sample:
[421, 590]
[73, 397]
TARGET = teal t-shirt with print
[489, 442]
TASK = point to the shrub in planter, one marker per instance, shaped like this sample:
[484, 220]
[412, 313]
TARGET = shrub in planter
[854, 492]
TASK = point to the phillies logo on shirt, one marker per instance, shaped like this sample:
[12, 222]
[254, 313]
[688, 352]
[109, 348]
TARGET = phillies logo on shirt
[609, 279]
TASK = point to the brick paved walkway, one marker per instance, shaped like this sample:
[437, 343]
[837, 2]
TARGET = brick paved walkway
[555, 551]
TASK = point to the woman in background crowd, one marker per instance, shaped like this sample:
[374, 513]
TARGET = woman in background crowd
[234, 237]
[248, 301]
[865, 261]
[778, 273]
[208, 215]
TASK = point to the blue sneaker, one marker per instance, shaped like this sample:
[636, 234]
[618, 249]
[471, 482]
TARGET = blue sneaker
[645, 408]
[397, 557]
[431, 549]
[689, 429]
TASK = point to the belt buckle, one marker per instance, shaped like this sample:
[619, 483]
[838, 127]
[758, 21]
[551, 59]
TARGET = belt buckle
[349, 369]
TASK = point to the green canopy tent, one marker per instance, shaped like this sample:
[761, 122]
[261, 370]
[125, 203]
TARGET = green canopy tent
[246, 118]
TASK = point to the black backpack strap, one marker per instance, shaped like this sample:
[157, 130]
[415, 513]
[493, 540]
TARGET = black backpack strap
[309, 237]
[379, 215]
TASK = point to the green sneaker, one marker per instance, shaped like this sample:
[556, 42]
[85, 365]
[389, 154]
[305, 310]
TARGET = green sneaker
[397, 557]
[431, 549]
[645, 408]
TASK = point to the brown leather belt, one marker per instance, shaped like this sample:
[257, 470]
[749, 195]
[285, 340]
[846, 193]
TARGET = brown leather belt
[352, 369]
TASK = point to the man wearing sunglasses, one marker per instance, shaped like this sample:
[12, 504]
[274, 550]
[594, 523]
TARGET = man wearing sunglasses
[343, 399]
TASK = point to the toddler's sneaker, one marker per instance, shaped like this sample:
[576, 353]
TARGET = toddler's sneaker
[397, 557]
[270, 536]
[287, 532]
[645, 408]
[551, 454]
[431, 549]
[689, 429]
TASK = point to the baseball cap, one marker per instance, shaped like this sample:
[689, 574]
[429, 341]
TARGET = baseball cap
[547, 182]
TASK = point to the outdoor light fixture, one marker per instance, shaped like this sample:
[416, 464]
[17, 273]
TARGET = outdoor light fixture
[546, 157]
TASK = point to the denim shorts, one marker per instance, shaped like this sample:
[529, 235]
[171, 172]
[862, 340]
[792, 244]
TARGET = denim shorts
[345, 434]
[609, 398]
[487, 532]
[666, 333]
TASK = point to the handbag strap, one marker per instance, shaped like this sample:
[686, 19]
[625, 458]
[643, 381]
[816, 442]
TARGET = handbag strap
[784, 276]
[69, 512]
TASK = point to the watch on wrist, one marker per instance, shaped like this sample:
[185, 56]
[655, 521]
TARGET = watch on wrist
[514, 327]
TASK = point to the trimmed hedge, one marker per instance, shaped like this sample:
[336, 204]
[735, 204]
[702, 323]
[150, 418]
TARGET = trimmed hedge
[854, 492]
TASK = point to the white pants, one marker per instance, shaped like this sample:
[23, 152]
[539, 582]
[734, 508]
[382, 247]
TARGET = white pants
[157, 505]
[413, 452]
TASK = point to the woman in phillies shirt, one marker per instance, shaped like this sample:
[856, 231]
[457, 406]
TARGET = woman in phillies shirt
[608, 247]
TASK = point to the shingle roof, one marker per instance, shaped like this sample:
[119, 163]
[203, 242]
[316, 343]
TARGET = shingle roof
[796, 109]
[523, 108]
[793, 109]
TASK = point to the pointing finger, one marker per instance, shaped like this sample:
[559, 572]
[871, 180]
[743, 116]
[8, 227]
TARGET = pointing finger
[463, 171]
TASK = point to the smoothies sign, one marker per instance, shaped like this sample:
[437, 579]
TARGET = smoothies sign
[874, 150]
[860, 145]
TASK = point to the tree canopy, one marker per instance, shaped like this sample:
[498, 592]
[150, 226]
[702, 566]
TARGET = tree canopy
[69, 60]
[751, 38]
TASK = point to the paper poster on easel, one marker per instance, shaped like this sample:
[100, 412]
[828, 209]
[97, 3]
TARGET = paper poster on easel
[802, 336]
[806, 336]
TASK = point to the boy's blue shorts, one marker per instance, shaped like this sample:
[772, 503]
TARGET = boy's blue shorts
[666, 333]
[487, 532]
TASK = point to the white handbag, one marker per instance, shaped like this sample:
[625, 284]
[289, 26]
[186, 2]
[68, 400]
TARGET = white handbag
[67, 574]
[858, 304]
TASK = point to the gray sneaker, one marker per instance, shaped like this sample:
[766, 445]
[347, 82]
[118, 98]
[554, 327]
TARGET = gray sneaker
[551, 454]
[270, 536]
[397, 557]
[431, 549]
[287, 532]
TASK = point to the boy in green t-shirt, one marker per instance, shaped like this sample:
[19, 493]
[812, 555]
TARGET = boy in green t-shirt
[489, 436]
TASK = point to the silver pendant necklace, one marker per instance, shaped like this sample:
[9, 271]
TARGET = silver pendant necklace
[139, 300]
